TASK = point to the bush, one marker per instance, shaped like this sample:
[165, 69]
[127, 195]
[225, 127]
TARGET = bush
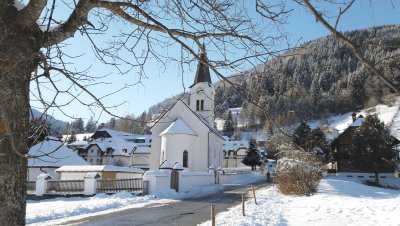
[298, 172]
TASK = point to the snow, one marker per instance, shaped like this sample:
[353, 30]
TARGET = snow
[60, 210]
[53, 153]
[337, 202]
[97, 168]
[178, 127]
[235, 145]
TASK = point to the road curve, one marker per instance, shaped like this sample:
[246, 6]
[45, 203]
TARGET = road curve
[186, 212]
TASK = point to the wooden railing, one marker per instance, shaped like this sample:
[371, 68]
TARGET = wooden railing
[117, 185]
[66, 186]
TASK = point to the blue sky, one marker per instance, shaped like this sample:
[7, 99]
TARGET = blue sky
[163, 82]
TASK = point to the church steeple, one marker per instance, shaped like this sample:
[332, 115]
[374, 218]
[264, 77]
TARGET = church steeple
[203, 72]
[202, 91]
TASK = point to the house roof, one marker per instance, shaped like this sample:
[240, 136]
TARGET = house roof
[141, 150]
[53, 153]
[98, 168]
[201, 118]
[235, 145]
[178, 127]
[203, 72]
[358, 122]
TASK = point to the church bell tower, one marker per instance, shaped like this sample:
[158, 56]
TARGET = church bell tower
[202, 92]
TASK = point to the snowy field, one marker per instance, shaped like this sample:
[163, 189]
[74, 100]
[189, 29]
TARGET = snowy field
[337, 202]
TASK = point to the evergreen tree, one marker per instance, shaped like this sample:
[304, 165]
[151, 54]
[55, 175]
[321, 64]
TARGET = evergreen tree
[373, 147]
[111, 124]
[229, 125]
[253, 157]
[77, 126]
[319, 145]
[301, 136]
[90, 126]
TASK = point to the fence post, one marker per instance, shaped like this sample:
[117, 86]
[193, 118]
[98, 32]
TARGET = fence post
[254, 195]
[41, 184]
[212, 215]
[91, 183]
[145, 188]
[243, 212]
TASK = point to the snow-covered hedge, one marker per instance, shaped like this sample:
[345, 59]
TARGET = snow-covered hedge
[298, 172]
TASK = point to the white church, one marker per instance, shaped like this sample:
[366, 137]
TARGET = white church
[185, 134]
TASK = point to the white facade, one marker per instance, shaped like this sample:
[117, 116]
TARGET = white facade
[180, 130]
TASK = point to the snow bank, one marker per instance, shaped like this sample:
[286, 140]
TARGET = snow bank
[337, 202]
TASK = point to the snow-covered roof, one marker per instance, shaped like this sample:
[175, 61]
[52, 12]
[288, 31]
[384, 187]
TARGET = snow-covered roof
[141, 150]
[121, 147]
[78, 143]
[358, 121]
[98, 168]
[178, 127]
[53, 153]
[235, 145]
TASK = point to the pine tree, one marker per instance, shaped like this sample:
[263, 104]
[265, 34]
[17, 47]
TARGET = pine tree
[77, 126]
[229, 125]
[301, 136]
[253, 157]
[90, 126]
[373, 147]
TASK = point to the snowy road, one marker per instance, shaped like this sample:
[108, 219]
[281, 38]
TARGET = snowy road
[186, 212]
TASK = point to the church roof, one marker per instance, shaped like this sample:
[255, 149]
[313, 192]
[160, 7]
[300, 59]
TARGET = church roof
[203, 72]
[178, 127]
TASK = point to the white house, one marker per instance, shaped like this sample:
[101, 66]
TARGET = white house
[49, 155]
[234, 152]
[185, 133]
[110, 147]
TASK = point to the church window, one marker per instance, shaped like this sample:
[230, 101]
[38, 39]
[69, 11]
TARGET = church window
[202, 105]
[197, 105]
[185, 158]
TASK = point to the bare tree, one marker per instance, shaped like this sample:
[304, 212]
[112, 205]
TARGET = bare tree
[33, 57]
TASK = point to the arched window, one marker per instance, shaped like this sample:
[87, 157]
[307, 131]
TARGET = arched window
[185, 158]
[202, 105]
[197, 105]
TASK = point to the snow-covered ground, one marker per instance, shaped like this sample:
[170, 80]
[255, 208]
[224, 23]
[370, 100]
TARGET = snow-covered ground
[59, 210]
[337, 202]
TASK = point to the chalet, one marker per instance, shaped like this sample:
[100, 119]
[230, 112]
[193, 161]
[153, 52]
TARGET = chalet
[110, 147]
[234, 152]
[49, 155]
[341, 149]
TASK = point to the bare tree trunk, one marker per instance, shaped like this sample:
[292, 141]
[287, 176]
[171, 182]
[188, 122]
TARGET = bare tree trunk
[14, 123]
[18, 59]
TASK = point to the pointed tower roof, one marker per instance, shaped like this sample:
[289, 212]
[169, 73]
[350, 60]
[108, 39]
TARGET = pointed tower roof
[203, 72]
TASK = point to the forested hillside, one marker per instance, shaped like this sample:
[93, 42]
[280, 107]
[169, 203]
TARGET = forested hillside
[318, 78]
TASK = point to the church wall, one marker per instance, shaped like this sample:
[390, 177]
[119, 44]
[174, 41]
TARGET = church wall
[175, 144]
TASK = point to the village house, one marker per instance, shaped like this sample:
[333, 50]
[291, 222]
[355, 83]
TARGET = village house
[110, 147]
[47, 156]
[341, 148]
[234, 152]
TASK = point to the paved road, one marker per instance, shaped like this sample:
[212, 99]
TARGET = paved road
[186, 212]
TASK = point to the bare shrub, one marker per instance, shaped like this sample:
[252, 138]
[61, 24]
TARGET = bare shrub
[298, 172]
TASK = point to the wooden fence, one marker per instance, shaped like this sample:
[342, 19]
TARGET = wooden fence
[117, 185]
[31, 186]
[66, 186]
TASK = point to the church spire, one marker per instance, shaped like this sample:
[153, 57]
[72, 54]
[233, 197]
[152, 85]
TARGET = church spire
[203, 72]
